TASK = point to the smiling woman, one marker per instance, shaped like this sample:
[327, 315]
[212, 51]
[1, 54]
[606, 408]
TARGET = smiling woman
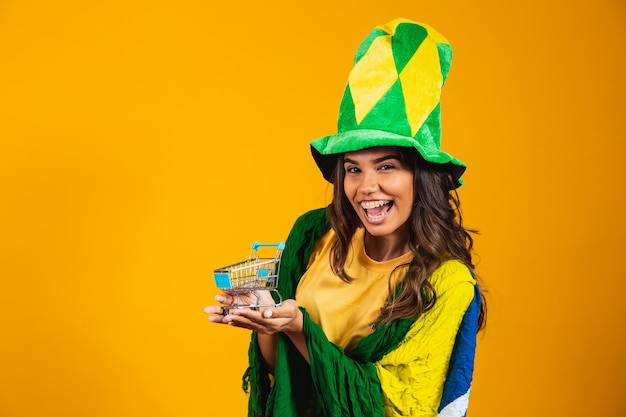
[380, 188]
[381, 303]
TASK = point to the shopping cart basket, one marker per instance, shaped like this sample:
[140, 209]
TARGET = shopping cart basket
[249, 276]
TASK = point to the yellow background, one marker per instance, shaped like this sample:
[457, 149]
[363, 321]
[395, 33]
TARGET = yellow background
[144, 143]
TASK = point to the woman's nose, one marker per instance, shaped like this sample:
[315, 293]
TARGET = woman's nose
[369, 183]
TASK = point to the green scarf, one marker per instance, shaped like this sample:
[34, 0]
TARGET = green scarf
[336, 383]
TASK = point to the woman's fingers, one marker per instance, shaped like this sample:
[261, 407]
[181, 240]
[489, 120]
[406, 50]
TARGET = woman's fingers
[225, 298]
[213, 309]
[266, 320]
[286, 310]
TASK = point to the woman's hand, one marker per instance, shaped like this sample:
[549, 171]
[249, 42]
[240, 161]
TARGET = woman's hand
[265, 320]
[231, 300]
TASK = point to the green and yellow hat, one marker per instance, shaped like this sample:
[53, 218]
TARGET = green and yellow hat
[392, 97]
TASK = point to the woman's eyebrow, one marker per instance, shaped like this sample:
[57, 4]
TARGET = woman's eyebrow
[386, 157]
[376, 161]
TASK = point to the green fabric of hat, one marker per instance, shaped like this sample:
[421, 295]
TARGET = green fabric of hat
[392, 97]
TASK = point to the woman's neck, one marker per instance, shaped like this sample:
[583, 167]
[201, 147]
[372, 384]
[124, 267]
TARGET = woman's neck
[384, 248]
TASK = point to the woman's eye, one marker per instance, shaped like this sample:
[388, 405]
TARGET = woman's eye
[386, 167]
[352, 170]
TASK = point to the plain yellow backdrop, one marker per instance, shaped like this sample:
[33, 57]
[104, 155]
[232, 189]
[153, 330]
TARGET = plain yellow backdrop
[145, 143]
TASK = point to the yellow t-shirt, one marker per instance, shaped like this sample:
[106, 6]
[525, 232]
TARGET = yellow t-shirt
[346, 311]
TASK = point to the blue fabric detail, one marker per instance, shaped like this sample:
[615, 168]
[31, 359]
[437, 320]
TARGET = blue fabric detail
[461, 368]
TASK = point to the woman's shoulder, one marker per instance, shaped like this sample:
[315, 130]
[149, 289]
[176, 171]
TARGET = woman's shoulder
[434, 332]
[451, 273]
[312, 215]
[455, 288]
[307, 228]
[313, 221]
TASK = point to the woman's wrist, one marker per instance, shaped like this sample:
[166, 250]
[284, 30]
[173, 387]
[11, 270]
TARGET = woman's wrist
[267, 346]
[294, 328]
[295, 333]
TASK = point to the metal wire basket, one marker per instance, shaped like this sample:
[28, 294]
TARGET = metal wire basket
[250, 276]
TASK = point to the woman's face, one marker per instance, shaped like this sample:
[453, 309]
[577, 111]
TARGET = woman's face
[380, 189]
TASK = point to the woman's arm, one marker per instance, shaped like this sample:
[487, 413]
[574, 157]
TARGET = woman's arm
[268, 346]
[345, 386]
[413, 375]
[268, 322]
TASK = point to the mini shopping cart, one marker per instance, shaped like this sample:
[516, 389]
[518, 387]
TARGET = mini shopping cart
[249, 276]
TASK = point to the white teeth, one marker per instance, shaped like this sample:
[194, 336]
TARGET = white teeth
[375, 218]
[373, 204]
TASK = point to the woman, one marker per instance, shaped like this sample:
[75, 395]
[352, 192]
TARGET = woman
[381, 305]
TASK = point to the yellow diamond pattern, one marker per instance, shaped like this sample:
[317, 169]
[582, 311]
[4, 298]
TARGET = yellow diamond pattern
[372, 77]
[421, 84]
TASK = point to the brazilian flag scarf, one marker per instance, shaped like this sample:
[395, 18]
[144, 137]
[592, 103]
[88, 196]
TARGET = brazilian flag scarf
[336, 383]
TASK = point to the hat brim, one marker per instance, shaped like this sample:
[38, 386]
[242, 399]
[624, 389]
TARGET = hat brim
[325, 150]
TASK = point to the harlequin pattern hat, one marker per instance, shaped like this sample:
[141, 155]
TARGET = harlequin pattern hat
[392, 97]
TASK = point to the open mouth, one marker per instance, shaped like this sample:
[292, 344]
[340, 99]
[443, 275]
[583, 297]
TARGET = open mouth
[376, 210]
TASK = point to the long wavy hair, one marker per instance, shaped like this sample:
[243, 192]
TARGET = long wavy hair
[436, 235]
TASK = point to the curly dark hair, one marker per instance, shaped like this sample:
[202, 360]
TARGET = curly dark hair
[436, 235]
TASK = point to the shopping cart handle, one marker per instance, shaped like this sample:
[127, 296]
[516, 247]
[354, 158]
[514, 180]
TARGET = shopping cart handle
[279, 245]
